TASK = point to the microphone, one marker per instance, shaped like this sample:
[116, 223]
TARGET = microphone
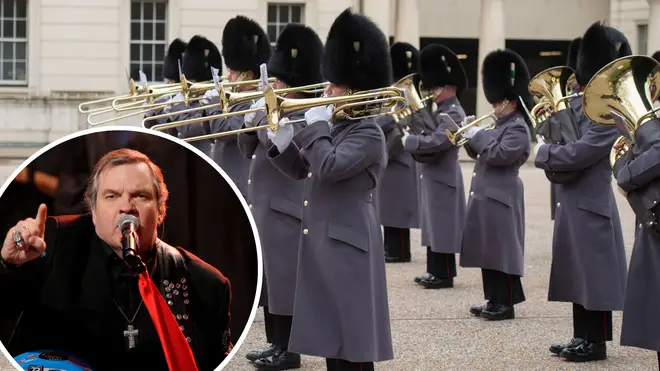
[130, 242]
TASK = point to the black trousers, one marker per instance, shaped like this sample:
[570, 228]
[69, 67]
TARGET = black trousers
[397, 242]
[278, 329]
[268, 322]
[501, 288]
[592, 325]
[440, 265]
[341, 365]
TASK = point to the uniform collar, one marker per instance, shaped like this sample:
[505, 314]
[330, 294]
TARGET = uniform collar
[448, 103]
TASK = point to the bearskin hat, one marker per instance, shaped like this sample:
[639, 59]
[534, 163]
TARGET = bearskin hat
[405, 60]
[357, 53]
[505, 77]
[201, 54]
[573, 50]
[245, 45]
[297, 57]
[440, 66]
[656, 56]
[600, 45]
[171, 62]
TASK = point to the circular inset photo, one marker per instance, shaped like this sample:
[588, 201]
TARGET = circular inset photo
[125, 249]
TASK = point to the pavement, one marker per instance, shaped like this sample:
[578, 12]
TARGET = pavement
[433, 330]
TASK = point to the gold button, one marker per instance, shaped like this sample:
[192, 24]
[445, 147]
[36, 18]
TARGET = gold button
[305, 231]
[249, 181]
[471, 193]
[254, 156]
[641, 226]
[421, 177]
[558, 204]
[305, 203]
[250, 206]
[309, 175]
[478, 156]
[474, 174]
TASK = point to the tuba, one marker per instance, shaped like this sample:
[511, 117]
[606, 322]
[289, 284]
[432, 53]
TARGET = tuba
[623, 92]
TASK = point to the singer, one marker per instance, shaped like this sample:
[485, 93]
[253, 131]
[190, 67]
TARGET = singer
[72, 279]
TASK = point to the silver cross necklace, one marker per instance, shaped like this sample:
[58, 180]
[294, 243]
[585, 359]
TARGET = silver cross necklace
[131, 332]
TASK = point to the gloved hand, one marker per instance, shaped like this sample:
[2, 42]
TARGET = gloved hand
[321, 113]
[210, 94]
[284, 135]
[404, 137]
[467, 120]
[539, 143]
[471, 132]
[249, 117]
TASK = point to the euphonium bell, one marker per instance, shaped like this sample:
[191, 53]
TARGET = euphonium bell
[549, 87]
[627, 87]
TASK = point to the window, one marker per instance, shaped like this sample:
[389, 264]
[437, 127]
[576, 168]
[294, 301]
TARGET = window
[148, 39]
[279, 15]
[13, 42]
[642, 38]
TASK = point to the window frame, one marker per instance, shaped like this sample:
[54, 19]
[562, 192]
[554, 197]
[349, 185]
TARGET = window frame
[278, 24]
[15, 41]
[156, 60]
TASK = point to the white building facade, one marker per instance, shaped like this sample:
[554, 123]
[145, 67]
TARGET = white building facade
[54, 54]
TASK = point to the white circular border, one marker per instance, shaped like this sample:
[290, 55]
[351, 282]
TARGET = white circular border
[199, 153]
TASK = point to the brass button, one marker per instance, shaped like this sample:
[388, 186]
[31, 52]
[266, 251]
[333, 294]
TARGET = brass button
[305, 231]
[249, 181]
[474, 174]
[558, 204]
[254, 156]
[421, 177]
[309, 175]
[471, 193]
[305, 203]
[250, 206]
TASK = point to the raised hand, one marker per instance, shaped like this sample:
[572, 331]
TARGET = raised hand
[25, 241]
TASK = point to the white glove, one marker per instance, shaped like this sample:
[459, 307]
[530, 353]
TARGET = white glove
[283, 137]
[210, 94]
[471, 132]
[467, 120]
[249, 117]
[539, 143]
[404, 137]
[321, 113]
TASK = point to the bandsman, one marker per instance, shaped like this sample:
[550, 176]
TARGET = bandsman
[341, 310]
[274, 199]
[494, 233]
[442, 191]
[588, 252]
[398, 196]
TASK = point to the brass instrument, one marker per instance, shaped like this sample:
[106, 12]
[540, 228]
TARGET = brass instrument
[550, 87]
[571, 84]
[626, 87]
[347, 107]
[229, 99]
[415, 102]
[456, 138]
[134, 89]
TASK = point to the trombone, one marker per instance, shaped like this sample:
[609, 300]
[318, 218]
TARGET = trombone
[458, 139]
[351, 107]
[134, 89]
[624, 92]
[229, 99]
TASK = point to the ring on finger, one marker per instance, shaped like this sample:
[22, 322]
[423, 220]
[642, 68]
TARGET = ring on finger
[18, 239]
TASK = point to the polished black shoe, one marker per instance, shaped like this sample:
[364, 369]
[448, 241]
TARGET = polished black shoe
[498, 312]
[419, 279]
[433, 282]
[397, 259]
[258, 354]
[558, 348]
[477, 309]
[280, 360]
[585, 352]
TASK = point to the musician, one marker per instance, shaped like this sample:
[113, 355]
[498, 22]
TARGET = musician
[171, 75]
[656, 56]
[201, 54]
[442, 192]
[588, 252]
[571, 61]
[273, 197]
[637, 173]
[67, 276]
[245, 46]
[494, 233]
[341, 310]
[397, 195]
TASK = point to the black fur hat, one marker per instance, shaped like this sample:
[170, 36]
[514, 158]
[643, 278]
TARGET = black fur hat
[440, 66]
[245, 45]
[405, 60]
[201, 54]
[656, 56]
[297, 56]
[600, 45]
[505, 77]
[171, 62]
[357, 53]
[573, 50]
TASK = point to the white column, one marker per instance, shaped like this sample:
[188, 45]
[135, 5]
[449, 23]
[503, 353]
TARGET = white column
[491, 37]
[653, 43]
[407, 22]
[379, 12]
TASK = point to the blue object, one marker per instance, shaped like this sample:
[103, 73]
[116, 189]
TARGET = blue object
[50, 360]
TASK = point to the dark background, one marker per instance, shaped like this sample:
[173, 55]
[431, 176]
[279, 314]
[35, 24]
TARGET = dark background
[204, 215]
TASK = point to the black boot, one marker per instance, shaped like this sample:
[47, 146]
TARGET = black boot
[558, 348]
[498, 312]
[419, 279]
[433, 282]
[258, 354]
[279, 360]
[586, 352]
[477, 309]
[396, 259]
